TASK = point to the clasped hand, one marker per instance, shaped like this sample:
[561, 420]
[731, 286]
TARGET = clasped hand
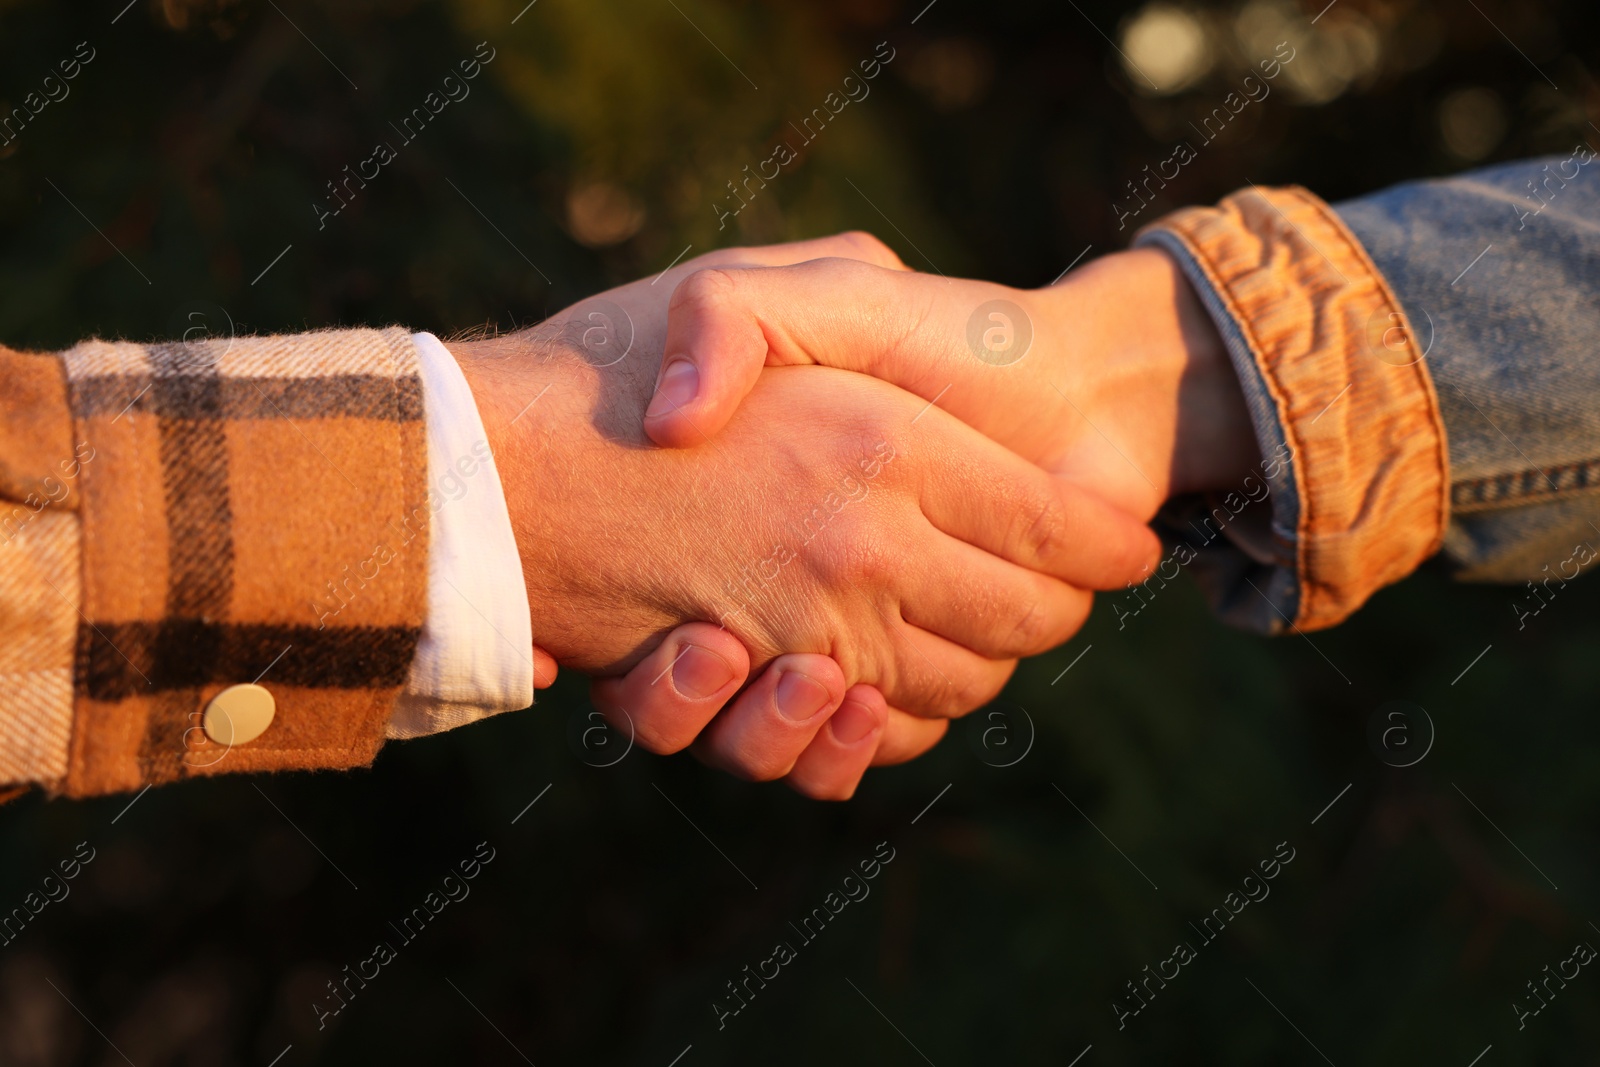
[794, 464]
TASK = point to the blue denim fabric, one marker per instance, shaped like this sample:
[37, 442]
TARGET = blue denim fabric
[1499, 272]
[1248, 576]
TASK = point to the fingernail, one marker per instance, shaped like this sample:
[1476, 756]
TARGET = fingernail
[853, 721]
[699, 672]
[679, 384]
[800, 697]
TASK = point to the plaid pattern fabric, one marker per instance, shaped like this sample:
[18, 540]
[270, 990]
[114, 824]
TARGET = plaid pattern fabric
[227, 527]
[39, 575]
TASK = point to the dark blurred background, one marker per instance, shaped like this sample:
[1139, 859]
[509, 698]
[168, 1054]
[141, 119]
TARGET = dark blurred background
[1080, 827]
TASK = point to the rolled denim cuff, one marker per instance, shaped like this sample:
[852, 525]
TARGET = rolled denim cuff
[1336, 384]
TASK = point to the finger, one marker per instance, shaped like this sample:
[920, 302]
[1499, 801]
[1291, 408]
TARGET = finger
[725, 324]
[831, 766]
[905, 737]
[983, 494]
[851, 244]
[997, 609]
[709, 369]
[710, 361]
[936, 678]
[761, 735]
[544, 668]
[670, 695]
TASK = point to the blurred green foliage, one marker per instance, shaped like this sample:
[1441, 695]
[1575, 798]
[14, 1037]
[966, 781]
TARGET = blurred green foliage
[194, 148]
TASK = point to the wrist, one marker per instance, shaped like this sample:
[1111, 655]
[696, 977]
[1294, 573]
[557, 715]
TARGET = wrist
[1215, 445]
[577, 474]
[483, 363]
[520, 390]
[1159, 382]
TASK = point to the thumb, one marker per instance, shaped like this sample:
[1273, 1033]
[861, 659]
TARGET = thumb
[725, 324]
[714, 351]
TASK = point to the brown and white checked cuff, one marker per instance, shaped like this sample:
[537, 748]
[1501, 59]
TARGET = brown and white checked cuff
[230, 478]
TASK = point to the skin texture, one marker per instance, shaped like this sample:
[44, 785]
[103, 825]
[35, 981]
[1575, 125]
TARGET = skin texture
[823, 510]
[900, 524]
[1124, 387]
[1119, 410]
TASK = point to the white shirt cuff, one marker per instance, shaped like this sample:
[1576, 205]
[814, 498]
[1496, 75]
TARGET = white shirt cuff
[475, 657]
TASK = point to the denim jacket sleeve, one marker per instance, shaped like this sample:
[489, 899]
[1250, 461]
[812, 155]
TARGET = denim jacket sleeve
[1421, 361]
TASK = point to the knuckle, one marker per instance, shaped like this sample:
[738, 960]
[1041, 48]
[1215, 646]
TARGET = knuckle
[651, 727]
[1063, 624]
[1034, 632]
[1042, 528]
[858, 555]
[712, 289]
[658, 746]
[879, 427]
[1128, 560]
[1082, 605]
[867, 246]
[660, 739]
[1043, 622]
[870, 447]
[984, 693]
[875, 564]
[943, 695]
[1143, 555]
[974, 691]
[950, 699]
[753, 767]
[909, 738]
[822, 790]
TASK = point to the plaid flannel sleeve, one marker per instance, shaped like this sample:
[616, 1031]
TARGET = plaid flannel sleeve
[172, 519]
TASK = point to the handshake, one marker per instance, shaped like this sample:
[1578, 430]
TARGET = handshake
[795, 507]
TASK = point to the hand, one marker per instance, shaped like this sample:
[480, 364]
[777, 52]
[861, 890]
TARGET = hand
[670, 708]
[824, 510]
[751, 737]
[648, 311]
[1144, 358]
[1114, 379]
